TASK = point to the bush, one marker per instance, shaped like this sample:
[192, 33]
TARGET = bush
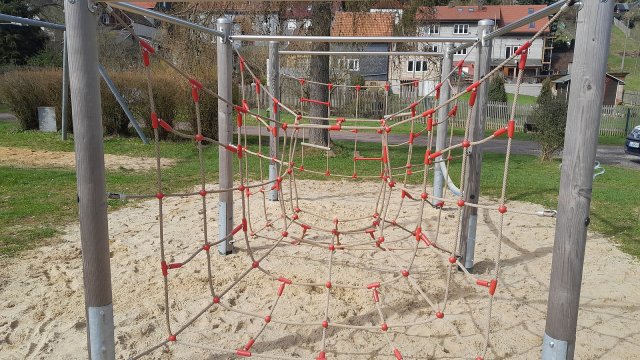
[550, 118]
[497, 91]
[24, 90]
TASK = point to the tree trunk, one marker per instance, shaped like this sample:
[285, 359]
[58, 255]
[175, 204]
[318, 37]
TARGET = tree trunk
[319, 71]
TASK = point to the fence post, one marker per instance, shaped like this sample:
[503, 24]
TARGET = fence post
[225, 135]
[471, 189]
[441, 130]
[273, 80]
[576, 180]
[92, 200]
[626, 126]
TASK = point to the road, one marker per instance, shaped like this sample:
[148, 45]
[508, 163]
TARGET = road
[606, 155]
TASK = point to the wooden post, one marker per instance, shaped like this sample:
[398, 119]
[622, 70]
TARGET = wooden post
[225, 135]
[90, 173]
[471, 189]
[580, 144]
[273, 80]
[441, 132]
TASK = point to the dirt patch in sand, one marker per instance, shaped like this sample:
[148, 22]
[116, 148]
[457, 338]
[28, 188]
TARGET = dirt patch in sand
[15, 156]
[42, 311]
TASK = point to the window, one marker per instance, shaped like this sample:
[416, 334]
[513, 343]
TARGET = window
[532, 25]
[509, 50]
[350, 64]
[433, 48]
[291, 25]
[417, 66]
[433, 29]
[462, 52]
[461, 28]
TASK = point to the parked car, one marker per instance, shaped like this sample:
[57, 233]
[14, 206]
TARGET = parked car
[632, 144]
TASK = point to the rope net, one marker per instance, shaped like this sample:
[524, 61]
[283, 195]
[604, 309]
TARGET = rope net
[378, 271]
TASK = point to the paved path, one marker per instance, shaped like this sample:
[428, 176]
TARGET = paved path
[607, 154]
[7, 117]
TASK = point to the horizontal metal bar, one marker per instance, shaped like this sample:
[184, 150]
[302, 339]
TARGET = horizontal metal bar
[164, 17]
[354, 39]
[31, 22]
[547, 11]
[360, 53]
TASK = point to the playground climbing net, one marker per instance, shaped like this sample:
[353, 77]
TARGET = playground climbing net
[401, 251]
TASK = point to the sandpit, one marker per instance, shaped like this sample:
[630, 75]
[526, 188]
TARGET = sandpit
[42, 311]
[25, 157]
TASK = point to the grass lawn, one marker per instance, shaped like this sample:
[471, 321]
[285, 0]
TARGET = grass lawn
[616, 50]
[36, 202]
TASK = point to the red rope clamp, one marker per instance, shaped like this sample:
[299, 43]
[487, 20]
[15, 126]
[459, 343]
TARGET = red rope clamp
[330, 86]
[257, 81]
[453, 111]
[165, 268]
[472, 98]
[397, 353]
[275, 105]
[435, 154]
[385, 154]
[386, 87]
[438, 86]
[154, 120]
[427, 157]
[243, 353]
[336, 127]
[459, 66]
[429, 123]
[416, 83]
[523, 48]
[301, 81]
[249, 344]
[523, 60]
[163, 124]
[241, 60]
[500, 132]
[511, 128]
[285, 280]
[358, 87]
[428, 112]
[490, 284]
[147, 49]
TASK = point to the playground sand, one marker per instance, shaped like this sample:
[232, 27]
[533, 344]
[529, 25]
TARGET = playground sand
[42, 311]
[42, 158]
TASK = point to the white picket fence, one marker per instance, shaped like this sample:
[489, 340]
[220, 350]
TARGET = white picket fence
[372, 103]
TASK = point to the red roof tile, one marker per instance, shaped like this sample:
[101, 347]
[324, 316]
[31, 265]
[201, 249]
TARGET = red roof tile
[144, 4]
[362, 24]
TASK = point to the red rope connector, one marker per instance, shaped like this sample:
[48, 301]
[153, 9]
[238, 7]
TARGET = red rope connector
[472, 98]
[511, 128]
[374, 285]
[425, 239]
[174, 266]
[358, 87]
[257, 81]
[243, 353]
[428, 112]
[502, 209]
[172, 338]
[336, 127]
[165, 125]
[523, 60]
[524, 47]
[321, 356]
[466, 143]
[199, 137]
[145, 58]
[195, 83]
[453, 111]
[154, 120]
[376, 298]
[459, 66]
[275, 105]
[239, 119]
[240, 150]
[386, 87]
[500, 132]
[146, 46]
[418, 233]
[165, 268]
[281, 288]
[416, 83]
[429, 123]
[206, 247]
[397, 353]
[492, 284]
[241, 60]
[325, 103]
[473, 86]
[385, 154]
[285, 280]
[240, 109]
[249, 344]
[440, 315]
[413, 136]
[330, 86]
[236, 229]
[406, 194]
[435, 154]
[370, 232]
[301, 81]
[438, 86]
[427, 157]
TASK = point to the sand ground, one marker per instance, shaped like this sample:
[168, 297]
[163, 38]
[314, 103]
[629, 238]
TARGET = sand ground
[41, 293]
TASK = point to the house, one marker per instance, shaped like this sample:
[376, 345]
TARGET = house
[142, 26]
[462, 21]
[613, 87]
[374, 69]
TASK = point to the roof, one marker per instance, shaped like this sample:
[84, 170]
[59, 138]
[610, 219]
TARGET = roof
[362, 24]
[567, 78]
[502, 14]
[144, 4]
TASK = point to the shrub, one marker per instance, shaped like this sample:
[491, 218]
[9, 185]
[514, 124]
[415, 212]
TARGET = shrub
[550, 117]
[497, 91]
[24, 90]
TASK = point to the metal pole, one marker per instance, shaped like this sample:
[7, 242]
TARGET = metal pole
[626, 125]
[574, 200]
[441, 133]
[354, 39]
[360, 53]
[31, 22]
[122, 102]
[65, 86]
[471, 189]
[225, 135]
[274, 87]
[92, 201]
[164, 17]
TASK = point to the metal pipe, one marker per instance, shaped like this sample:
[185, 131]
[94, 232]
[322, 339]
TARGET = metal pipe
[31, 22]
[225, 136]
[353, 39]
[122, 102]
[547, 11]
[360, 53]
[273, 81]
[441, 130]
[65, 87]
[164, 17]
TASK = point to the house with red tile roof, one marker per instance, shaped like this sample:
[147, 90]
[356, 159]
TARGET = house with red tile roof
[462, 21]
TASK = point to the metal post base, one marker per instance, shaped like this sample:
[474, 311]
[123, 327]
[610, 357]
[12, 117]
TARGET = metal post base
[101, 332]
[553, 349]
[471, 243]
[273, 174]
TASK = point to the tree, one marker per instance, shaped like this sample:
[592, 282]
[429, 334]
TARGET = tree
[497, 91]
[319, 71]
[550, 118]
[19, 43]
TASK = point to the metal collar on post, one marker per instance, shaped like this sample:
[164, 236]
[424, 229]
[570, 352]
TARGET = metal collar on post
[225, 35]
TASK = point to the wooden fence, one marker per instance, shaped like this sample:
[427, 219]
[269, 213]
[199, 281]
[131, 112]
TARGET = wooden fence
[616, 120]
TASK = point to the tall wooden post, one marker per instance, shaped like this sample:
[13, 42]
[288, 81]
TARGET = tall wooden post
[90, 173]
[225, 135]
[441, 133]
[471, 189]
[580, 144]
[273, 80]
